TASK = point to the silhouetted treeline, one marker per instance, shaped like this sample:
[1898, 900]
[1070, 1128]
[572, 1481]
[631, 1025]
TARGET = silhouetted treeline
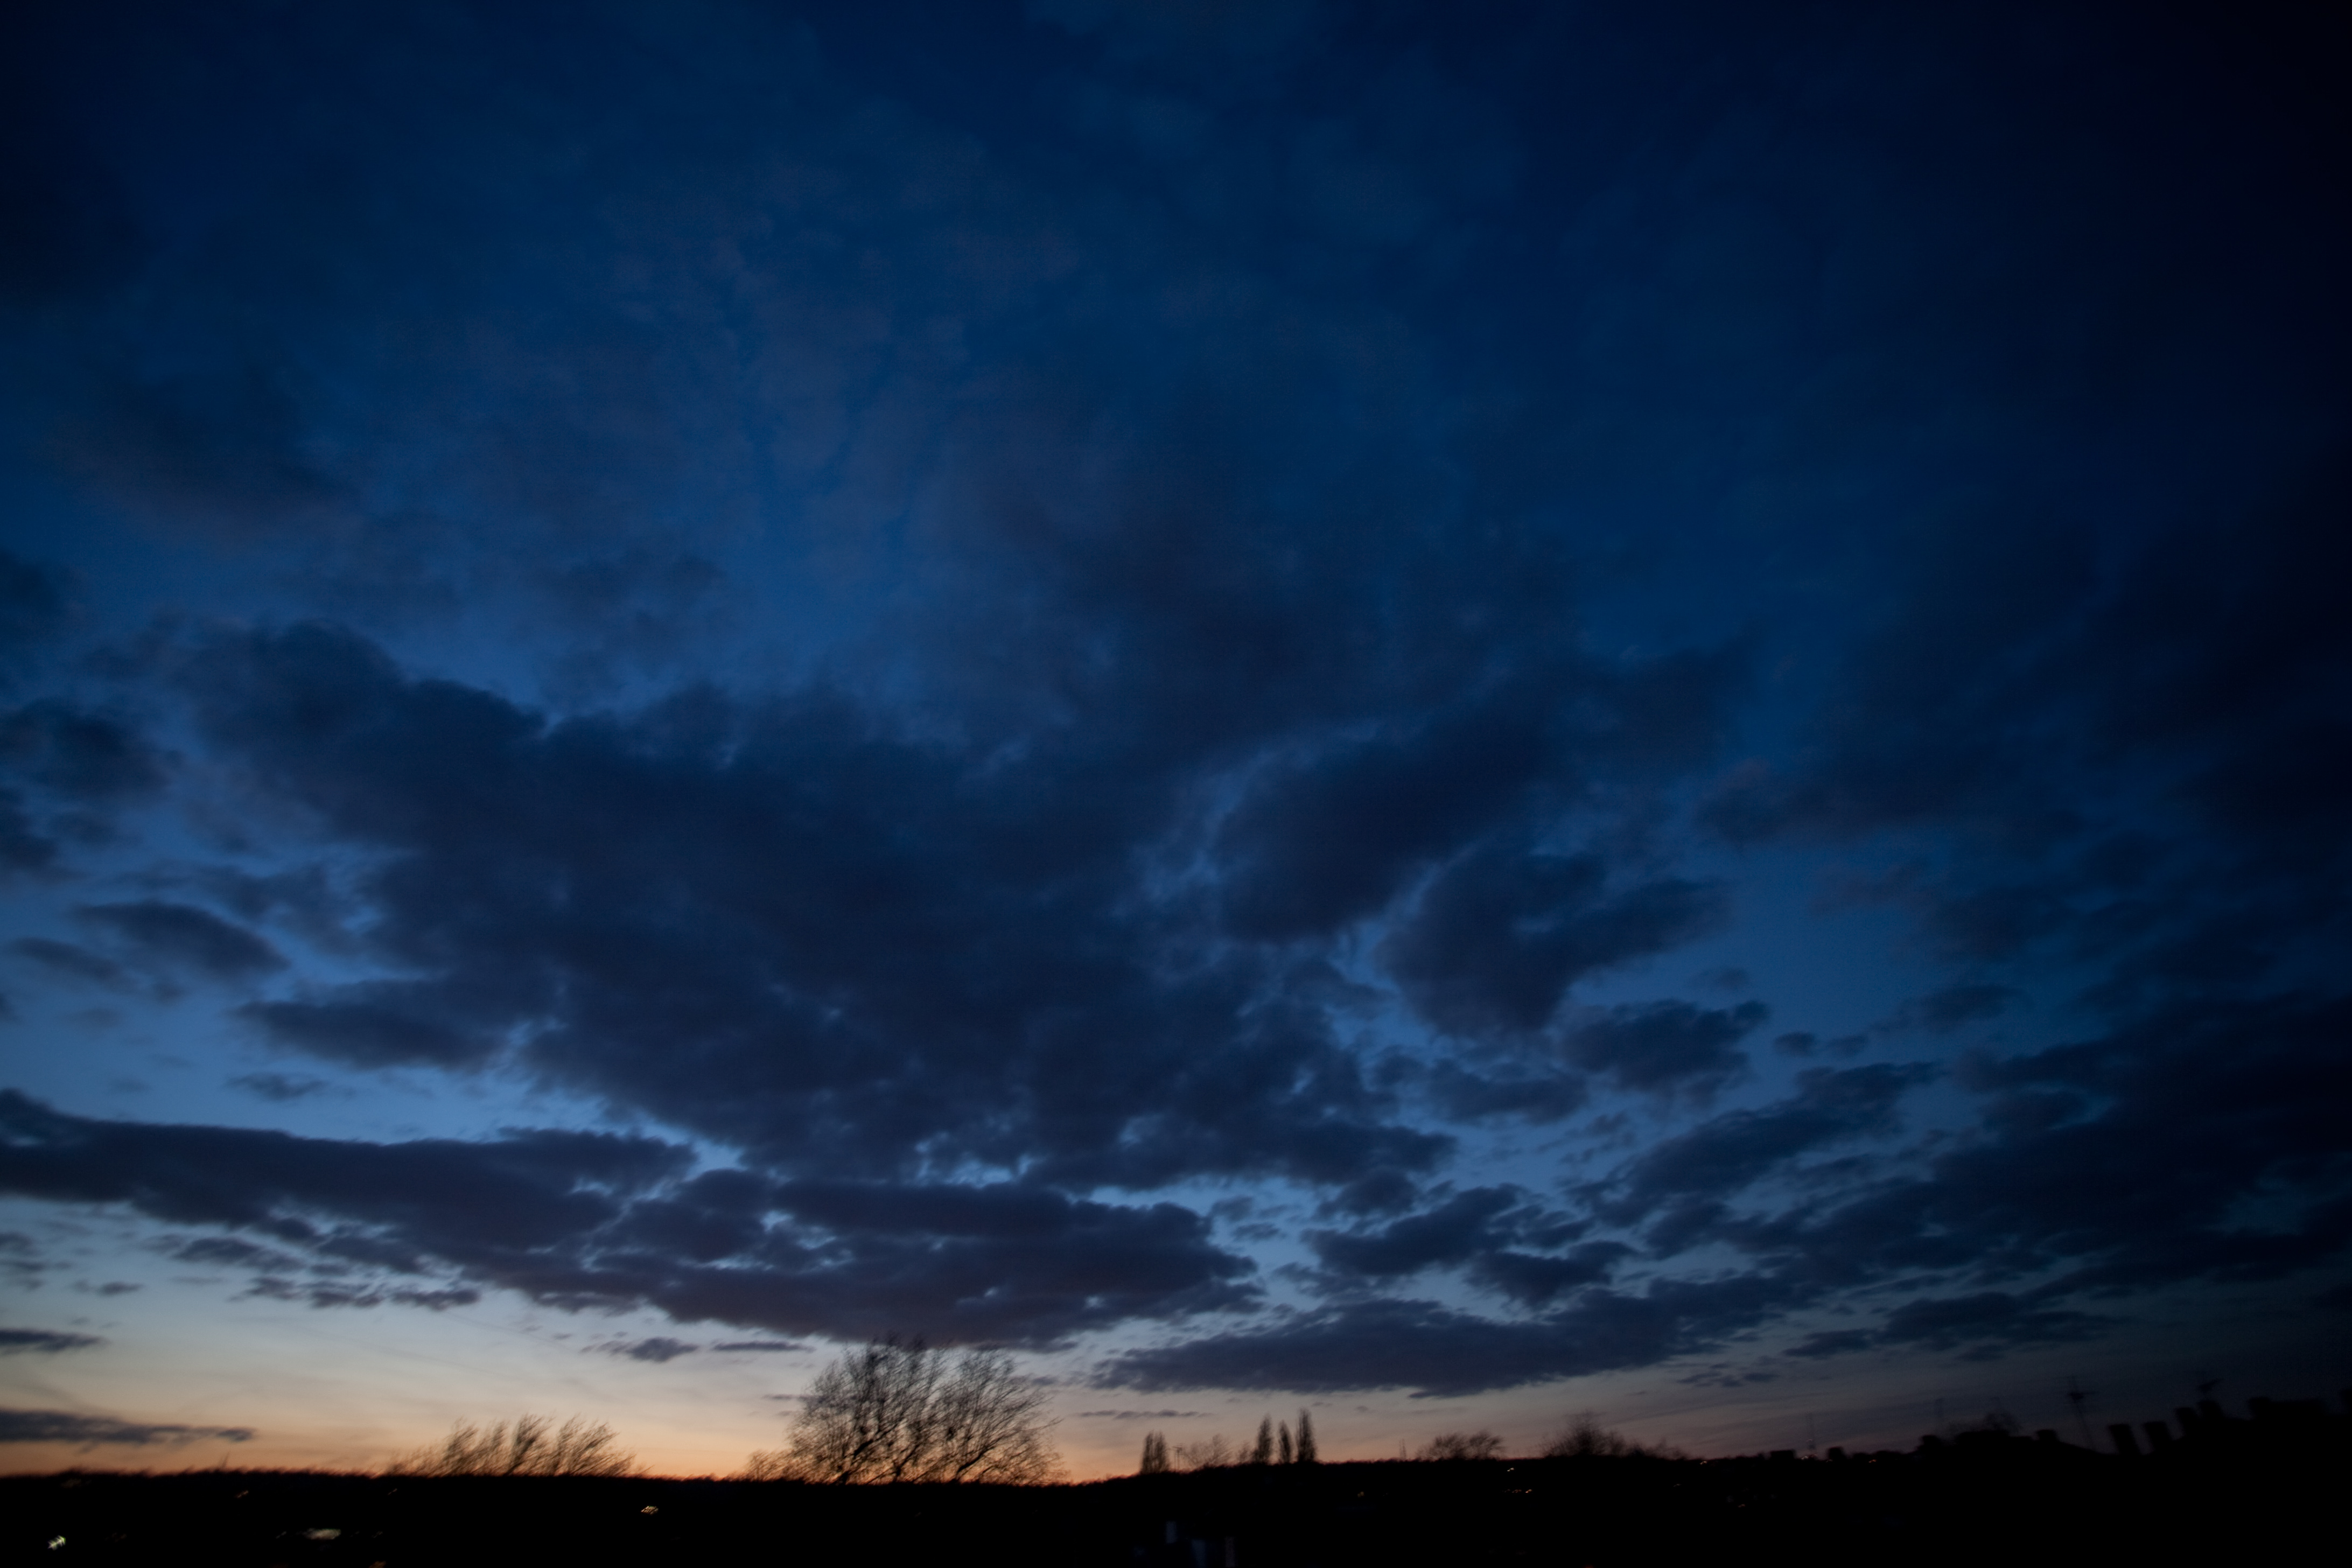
[2255, 1489]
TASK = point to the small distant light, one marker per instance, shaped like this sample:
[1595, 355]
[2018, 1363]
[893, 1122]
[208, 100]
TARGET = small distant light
[57, 1543]
[649, 1509]
[321, 1534]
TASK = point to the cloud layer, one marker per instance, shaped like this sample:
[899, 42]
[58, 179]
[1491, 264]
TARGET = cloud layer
[1093, 673]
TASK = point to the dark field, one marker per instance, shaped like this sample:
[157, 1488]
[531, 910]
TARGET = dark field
[2001, 1500]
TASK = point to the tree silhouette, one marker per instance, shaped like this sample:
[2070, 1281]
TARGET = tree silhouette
[1262, 1451]
[525, 1449]
[1210, 1454]
[901, 1411]
[1586, 1439]
[1155, 1455]
[1305, 1438]
[1463, 1446]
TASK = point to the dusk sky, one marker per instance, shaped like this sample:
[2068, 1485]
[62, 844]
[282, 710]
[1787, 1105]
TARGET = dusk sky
[1451, 714]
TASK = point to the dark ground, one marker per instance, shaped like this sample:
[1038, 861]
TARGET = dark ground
[1985, 1499]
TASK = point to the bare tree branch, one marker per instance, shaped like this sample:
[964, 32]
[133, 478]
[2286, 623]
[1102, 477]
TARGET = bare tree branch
[899, 1411]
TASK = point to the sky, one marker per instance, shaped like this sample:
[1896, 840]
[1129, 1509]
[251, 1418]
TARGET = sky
[1445, 714]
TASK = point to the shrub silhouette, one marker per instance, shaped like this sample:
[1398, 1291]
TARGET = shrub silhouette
[525, 1449]
[1586, 1439]
[1463, 1446]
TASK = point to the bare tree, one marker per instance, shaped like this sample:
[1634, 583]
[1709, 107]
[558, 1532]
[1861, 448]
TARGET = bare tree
[1586, 1439]
[768, 1465]
[1305, 1438]
[987, 1423]
[867, 1417]
[901, 1411]
[1209, 1455]
[1155, 1454]
[529, 1448]
[1463, 1446]
[1286, 1453]
[1262, 1451]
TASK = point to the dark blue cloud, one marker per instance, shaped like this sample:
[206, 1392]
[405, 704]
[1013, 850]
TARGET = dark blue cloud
[1991, 1319]
[1834, 1341]
[366, 1027]
[2151, 745]
[1939, 1012]
[1981, 1327]
[1665, 1046]
[182, 937]
[1434, 1351]
[1466, 1096]
[23, 847]
[64, 771]
[1496, 940]
[523, 1191]
[33, 603]
[279, 1086]
[2122, 1163]
[44, 1341]
[69, 958]
[77, 754]
[1501, 1240]
[1725, 1154]
[932, 968]
[1452, 1233]
[658, 1349]
[91, 1431]
[578, 1220]
[1326, 844]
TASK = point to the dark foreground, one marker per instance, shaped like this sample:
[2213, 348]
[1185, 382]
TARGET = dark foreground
[2000, 1501]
